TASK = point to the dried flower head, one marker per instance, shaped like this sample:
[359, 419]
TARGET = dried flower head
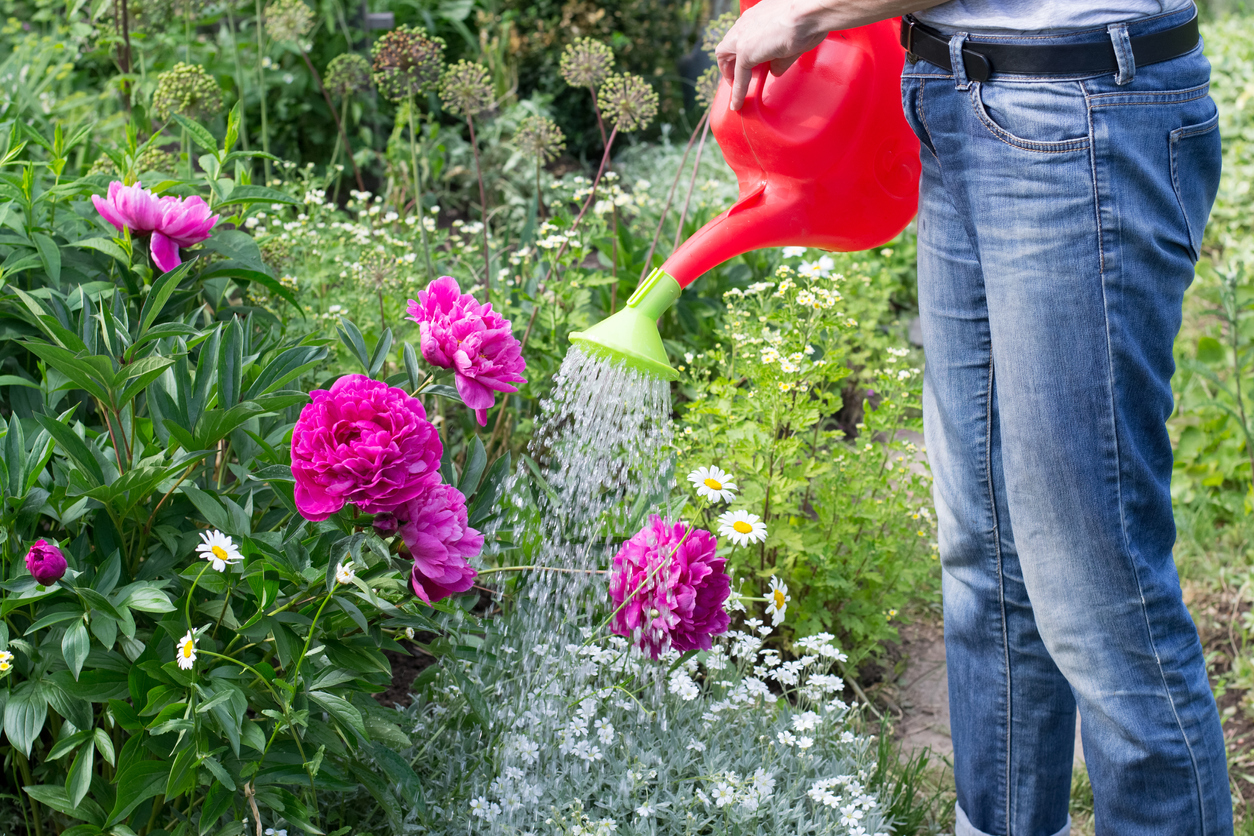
[466, 89]
[407, 62]
[278, 253]
[586, 63]
[628, 101]
[289, 21]
[375, 271]
[716, 30]
[187, 90]
[155, 158]
[707, 86]
[347, 74]
[541, 138]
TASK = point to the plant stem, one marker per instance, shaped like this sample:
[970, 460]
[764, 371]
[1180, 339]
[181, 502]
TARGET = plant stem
[187, 610]
[418, 207]
[696, 166]
[614, 260]
[24, 766]
[483, 215]
[539, 195]
[348, 149]
[596, 108]
[657, 233]
[239, 74]
[261, 77]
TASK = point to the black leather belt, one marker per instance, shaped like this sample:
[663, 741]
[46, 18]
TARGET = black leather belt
[983, 59]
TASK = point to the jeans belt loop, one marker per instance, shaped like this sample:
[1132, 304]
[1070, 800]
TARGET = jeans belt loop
[956, 60]
[1123, 52]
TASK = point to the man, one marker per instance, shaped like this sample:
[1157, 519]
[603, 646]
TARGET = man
[1070, 158]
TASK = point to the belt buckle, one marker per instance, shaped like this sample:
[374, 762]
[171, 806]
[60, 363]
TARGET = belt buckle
[907, 37]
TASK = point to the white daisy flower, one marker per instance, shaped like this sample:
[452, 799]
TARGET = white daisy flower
[219, 550]
[723, 795]
[344, 573]
[645, 810]
[186, 652]
[742, 527]
[714, 483]
[794, 252]
[777, 600]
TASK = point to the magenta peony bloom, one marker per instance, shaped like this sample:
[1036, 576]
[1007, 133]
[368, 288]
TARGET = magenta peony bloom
[681, 606]
[362, 442]
[133, 207]
[173, 222]
[435, 529]
[183, 223]
[45, 562]
[473, 340]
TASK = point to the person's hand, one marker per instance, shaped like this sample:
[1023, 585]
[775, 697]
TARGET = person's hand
[775, 32]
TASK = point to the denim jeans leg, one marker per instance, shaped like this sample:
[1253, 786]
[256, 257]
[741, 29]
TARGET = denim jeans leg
[1012, 714]
[1058, 226]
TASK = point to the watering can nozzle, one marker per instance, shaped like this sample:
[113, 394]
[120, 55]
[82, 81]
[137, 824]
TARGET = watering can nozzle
[631, 336]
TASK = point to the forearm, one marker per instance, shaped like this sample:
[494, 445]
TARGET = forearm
[821, 16]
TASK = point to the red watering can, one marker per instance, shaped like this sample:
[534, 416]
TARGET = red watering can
[824, 158]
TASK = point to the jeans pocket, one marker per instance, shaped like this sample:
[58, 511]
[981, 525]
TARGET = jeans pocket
[1195, 167]
[1048, 117]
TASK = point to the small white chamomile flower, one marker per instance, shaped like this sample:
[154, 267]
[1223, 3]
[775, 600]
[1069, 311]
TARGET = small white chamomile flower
[219, 549]
[344, 573]
[186, 652]
[777, 600]
[713, 483]
[742, 527]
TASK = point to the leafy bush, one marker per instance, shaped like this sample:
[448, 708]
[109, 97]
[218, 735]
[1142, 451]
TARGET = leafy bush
[848, 517]
[149, 419]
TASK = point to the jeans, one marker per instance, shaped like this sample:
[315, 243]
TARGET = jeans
[1059, 224]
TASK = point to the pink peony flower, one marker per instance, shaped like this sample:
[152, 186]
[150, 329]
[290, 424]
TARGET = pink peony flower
[473, 340]
[363, 442]
[681, 606]
[183, 223]
[133, 207]
[45, 563]
[434, 527]
[173, 222]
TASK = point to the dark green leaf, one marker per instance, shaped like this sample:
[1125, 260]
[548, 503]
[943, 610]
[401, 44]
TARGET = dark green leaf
[411, 367]
[160, 293]
[73, 446]
[105, 246]
[49, 255]
[258, 194]
[75, 646]
[79, 779]
[341, 709]
[198, 133]
[231, 365]
[472, 471]
[381, 350]
[136, 782]
[24, 714]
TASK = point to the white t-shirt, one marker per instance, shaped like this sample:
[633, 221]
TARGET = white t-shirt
[1041, 15]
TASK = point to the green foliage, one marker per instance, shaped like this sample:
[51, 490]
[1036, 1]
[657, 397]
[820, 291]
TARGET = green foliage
[146, 411]
[847, 513]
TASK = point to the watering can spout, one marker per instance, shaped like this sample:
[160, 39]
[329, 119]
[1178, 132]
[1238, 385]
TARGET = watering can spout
[824, 159]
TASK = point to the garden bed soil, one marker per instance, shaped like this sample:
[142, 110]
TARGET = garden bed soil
[405, 669]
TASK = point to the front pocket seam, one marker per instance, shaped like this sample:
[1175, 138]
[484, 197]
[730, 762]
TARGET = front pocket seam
[1178, 134]
[1059, 147]
[1150, 96]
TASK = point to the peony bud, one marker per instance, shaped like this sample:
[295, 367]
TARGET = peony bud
[45, 562]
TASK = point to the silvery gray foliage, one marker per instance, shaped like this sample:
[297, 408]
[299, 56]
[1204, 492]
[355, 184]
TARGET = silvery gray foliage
[730, 741]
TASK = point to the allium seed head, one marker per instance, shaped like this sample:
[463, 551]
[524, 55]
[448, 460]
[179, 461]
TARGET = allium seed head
[586, 63]
[466, 89]
[347, 74]
[707, 86]
[628, 101]
[187, 90]
[407, 62]
[289, 21]
[541, 138]
[716, 30]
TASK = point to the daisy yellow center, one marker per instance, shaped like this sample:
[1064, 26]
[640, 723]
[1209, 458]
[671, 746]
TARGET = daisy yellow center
[714, 484]
[778, 595]
[219, 552]
[187, 650]
[742, 527]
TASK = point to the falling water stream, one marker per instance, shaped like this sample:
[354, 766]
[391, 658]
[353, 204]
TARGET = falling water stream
[601, 460]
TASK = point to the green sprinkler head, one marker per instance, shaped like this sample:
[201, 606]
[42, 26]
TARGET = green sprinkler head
[630, 336]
